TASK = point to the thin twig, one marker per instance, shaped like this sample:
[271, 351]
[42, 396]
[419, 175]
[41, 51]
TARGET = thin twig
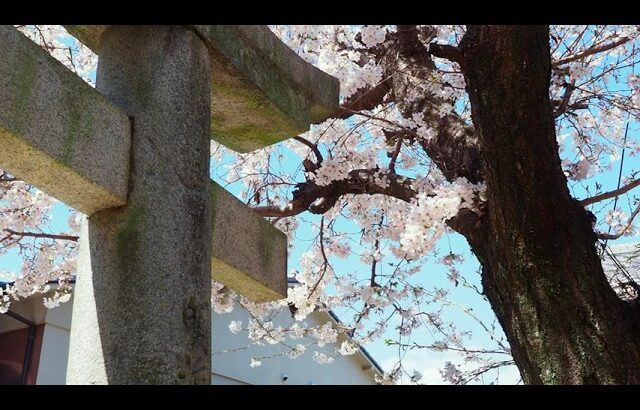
[11, 232]
[610, 194]
[591, 51]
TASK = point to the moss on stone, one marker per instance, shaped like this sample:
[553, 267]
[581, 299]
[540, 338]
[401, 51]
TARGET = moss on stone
[244, 118]
[44, 171]
[72, 130]
[89, 35]
[142, 90]
[266, 241]
[215, 190]
[248, 138]
[241, 282]
[24, 79]
[252, 280]
[127, 240]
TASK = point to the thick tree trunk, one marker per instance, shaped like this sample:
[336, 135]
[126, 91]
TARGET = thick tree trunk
[536, 244]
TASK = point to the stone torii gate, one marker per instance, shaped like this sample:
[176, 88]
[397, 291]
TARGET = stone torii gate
[133, 155]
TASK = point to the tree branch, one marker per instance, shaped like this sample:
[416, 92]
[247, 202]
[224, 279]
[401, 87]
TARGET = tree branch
[325, 264]
[610, 194]
[394, 154]
[11, 232]
[453, 149]
[364, 99]
[376, 246]
[449, 52]
[591, 51]
[5, 178]
[564, 103]
[314, 148]
[411, 47]
[360, 181]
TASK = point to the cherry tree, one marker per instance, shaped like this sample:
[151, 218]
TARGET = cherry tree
[496, 133]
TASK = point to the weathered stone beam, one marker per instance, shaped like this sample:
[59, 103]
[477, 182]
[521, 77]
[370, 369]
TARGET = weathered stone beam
[58, 133]
[262, 92]
[249, 254]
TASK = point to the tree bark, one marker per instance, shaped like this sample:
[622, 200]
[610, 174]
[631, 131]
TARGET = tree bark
[535, 242]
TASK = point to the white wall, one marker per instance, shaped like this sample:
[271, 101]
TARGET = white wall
[53, 357]
[55, 345]
[225, 381]
[302, 370]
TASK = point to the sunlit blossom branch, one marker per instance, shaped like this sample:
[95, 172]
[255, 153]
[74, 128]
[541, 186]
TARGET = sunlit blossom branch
[268, 332]
[603, 235]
